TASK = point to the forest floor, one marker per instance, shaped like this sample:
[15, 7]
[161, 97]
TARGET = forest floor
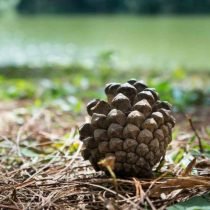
[40, 162]
[41, 166]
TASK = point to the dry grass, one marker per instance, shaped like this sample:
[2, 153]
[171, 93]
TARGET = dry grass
[41, 168]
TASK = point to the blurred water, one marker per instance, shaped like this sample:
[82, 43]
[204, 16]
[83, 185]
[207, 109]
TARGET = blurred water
[158, 42]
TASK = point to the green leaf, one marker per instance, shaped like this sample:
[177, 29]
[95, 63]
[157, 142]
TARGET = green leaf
[195, 203]
[178, 156]
[179, 73]
[73, 148]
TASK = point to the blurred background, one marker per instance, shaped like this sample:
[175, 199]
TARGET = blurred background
[56, 55]
[70, 47]
[145, 33]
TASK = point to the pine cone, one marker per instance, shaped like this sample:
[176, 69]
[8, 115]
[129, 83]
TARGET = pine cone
[134, 127]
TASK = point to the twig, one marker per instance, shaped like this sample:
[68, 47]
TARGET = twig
[115, 193]
[196, 133]
[150, 203]
[8, 207]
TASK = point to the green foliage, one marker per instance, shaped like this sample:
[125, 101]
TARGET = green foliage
[178, 156]
[71, 86]
[196, 203]
[16, 89]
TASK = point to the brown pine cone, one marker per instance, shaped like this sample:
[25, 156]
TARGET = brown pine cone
[134, 127]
